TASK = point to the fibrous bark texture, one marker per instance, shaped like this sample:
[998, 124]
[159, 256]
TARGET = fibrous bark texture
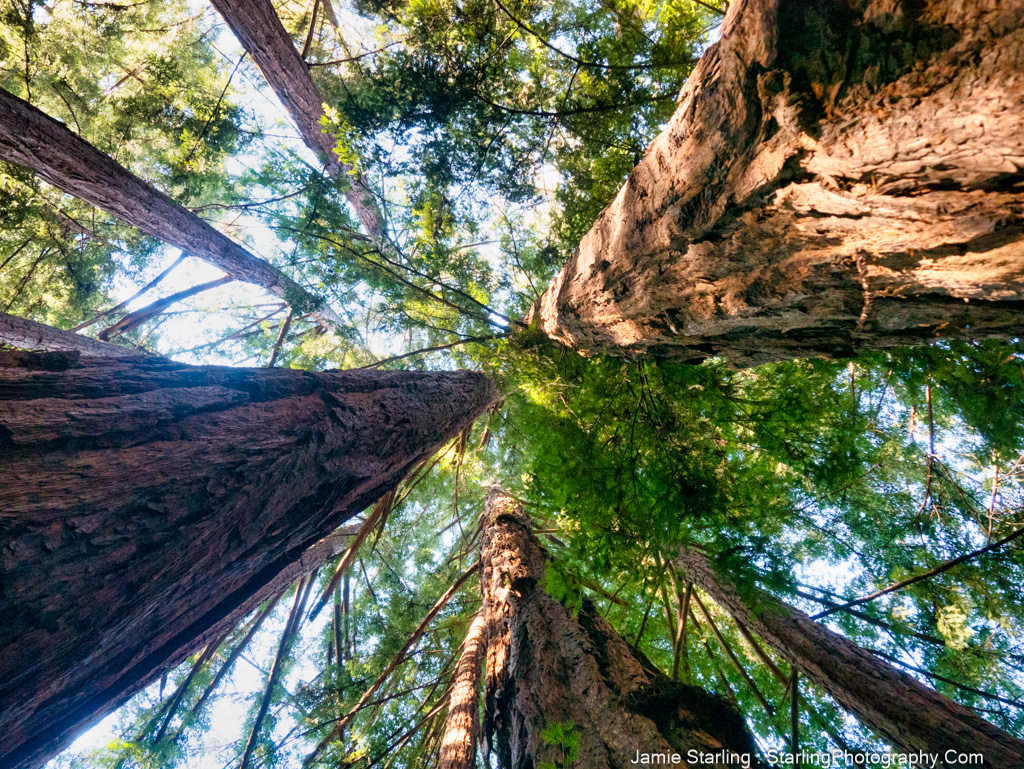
[547, 666]
[898, 707]
[146, 503]
[29, 335]
[838, 175]
[462, 726]
[259, 30]
[39, 143]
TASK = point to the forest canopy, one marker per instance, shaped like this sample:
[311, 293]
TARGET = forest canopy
[475, 144]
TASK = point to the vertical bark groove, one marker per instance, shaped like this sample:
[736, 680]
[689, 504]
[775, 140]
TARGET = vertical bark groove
[462, 726]
[837, 175]
[146, 502]
[546, 666]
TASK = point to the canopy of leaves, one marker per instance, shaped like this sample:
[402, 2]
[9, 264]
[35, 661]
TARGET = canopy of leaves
[493, 133]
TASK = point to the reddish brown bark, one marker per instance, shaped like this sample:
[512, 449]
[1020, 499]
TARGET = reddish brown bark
[462, 726]
[146, 503]
[547, 666]
[29, 335]
[838, 175]
[895, 705]
[259, 30]
[39, 143]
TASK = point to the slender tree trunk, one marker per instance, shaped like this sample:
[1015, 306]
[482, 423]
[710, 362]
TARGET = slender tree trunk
[29, 335]
[39, 143]
[256, 25]
[133, 320]
[146, 503]
[895, 705]
[838, 175]
[547, 666]
[462, 726]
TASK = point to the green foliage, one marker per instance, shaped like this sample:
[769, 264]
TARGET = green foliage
[493, 135]
[566, 738]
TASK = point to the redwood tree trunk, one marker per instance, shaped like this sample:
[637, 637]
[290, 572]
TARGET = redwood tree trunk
[29, 335]
[838, 175]
[895, 705]
[146, 503]
[462, 726]
[259, 30]
[547, 666]
[39, 143]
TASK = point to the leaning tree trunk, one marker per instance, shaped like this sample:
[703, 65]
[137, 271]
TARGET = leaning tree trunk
[145, 503]
[895, 705]
[838, 175]
[547, 666]
[39, 143]
[29, 335]
[256, 25]
[462, 725]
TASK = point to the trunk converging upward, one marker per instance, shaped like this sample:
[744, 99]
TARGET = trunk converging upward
[259, 30]
[42, 145]
[902, 710]
[550, 670]
[838, 175]
[146, 502]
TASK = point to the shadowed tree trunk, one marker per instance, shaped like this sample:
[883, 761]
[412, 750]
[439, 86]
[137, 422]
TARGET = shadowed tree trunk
[838, 175]
[147, 503]
[547, 667]
[462, 726]
[29, 335]
[39, 143]
[256, 25]
[898, 707]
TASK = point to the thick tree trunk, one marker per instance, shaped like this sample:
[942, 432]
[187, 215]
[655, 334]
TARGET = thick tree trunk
[895, 705]
[838, 175]
[259, 30]
[547, 666]
[148, 503]
[42, 145]
[462, 726]
[29, 335]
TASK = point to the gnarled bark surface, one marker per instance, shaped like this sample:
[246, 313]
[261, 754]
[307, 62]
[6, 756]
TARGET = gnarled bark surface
[146, 503]
[259, 30]
[895, 705]
[838, 175]
[546, 666]
[42, 145]
[29, 335]
[462, 726]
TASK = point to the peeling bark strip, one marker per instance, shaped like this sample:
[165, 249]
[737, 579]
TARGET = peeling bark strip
[546, 666]
[146, 503]
[256, 25]
[902, 710]
[29, 335]
[42, 145]
[462, 726]
[838, 175]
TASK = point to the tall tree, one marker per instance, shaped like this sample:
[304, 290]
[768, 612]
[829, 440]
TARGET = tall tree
[908, 714]
[145, 501]
[39, 143]
[462, 725]
[258, 28]
[561, 682]
[29, 335]
[837, 176]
